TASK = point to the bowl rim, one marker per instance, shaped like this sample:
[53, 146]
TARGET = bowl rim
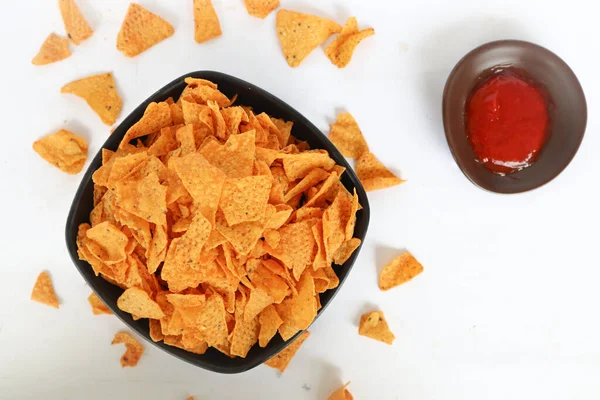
[448, 130]
[114, 139]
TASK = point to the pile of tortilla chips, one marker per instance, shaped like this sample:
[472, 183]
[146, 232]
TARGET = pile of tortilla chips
[220, 225]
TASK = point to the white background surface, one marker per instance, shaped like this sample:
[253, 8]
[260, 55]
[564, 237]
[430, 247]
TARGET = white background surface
[507, 307]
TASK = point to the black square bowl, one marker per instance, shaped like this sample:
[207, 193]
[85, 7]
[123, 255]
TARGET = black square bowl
[260, 101]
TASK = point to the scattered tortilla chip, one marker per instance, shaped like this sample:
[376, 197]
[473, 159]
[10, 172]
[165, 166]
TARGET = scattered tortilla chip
[375, 326]
[76, 26]
[261, 8]
[269, 322]
[98, 306]
[373, 174]
[43, 291]
[137, 302]
[347, 137]
[54, 48]
[206, 21]
[64, 150]
[141, 30]
[281, 360]
[341, 394]
[100, 92]
[344, 252]
[299, 34]
[133, 352]
[401, 269]
[341, 49]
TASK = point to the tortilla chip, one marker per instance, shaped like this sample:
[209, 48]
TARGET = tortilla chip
[261, 8]
[401, 269]
[341, 394]
[100, 92]
[344, 252]
[136, 301]
[299, 165]
[98, 306]
[54, 48]
[141, 30]
[235, 158]
[257, 302]
[133, 352]
[311, 180]
[107, 243]
[299, 34]
[156, 117]
[341, 49]
[64, 150]
[296, 247]
[373, 174]
[206, 21]
[245, 332]
[245, 199]
[347, 137]
[213, 323]
[281, 360]
[43, 291]
[76, 26]
[375, 326]
[269, 322]
[155, 330]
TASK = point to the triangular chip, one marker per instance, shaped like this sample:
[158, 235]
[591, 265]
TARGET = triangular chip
[64, 150]
[43, 291]
[133, 352]
[373, 174]
[281, 360]
[299, 34]
[54, 48]
[269, 323]
[76, 26]
[141, 30]
[347, 137]
[206, 21]
[245, 199]
[156, 117]
[341, 49]
[401, 269]
[245, 332]
[107, 243]
[145, 198]
[137, 302]
[98, 306]
[100, 92]
[375, 326]
[344, 252]
[341, 394]
[261, 8]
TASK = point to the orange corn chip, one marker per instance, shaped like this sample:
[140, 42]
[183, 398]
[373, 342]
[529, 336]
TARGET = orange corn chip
[76, 26]
[344, 252]
[299, 34]
[373, 174]
[245, 199]
[312, 179]
[261, 8]
[341, 394]
[137, 302]
[156, 117]
[296, 247]
[235, 158]
[375, 326]
[401, 269]
[213, 322]
[245, 332]
[43, 291]
[100, 92]
[269, 322]
[64, 150]
[347, 137]
[281, 360]
[133, 352]
[299, 165]
[107, 243]
[145, 198]
[206, 21]
[141, 30]
[98, 306]
[54, 48]
[257, 302]
[155, 330]
[341, 49]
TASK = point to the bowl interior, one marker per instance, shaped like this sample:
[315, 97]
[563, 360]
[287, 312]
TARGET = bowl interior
[568, 113]
[260, 100]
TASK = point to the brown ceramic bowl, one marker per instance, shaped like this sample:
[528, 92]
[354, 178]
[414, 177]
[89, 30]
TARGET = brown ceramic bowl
[568, 113]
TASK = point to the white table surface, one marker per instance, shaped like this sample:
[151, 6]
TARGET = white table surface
[507, 305]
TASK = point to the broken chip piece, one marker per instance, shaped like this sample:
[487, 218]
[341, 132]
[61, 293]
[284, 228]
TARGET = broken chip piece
[347, 137]
[76, 26]
[282, 359]
[64, 150]
[206, 21]
[43, 291]
[401, 269]
[260, 8]
[341, 49]
[299, 34]
[375, 326]
[141, 29]
[54, 48]
[373, 174]
[133, 352]
[341, 394]
[100, 92]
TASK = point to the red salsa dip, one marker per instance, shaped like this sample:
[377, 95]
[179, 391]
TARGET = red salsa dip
[507, 121]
